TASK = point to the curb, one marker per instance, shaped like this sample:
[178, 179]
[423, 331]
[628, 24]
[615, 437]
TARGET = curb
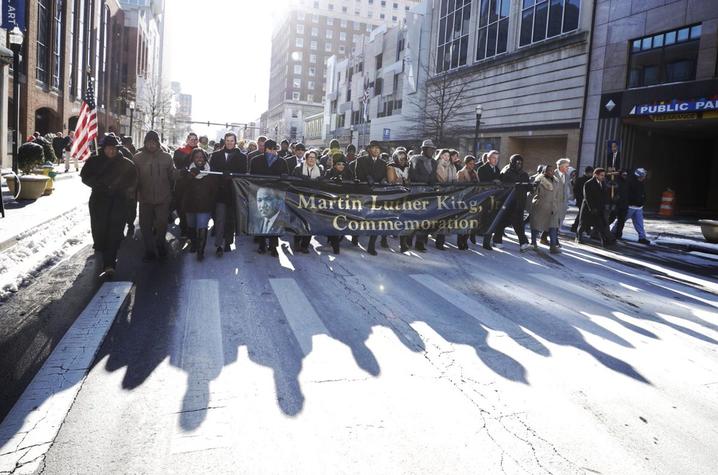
[31, 426]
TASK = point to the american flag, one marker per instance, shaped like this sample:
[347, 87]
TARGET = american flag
[86, 131]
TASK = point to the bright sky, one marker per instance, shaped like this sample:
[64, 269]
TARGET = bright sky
[219, 50]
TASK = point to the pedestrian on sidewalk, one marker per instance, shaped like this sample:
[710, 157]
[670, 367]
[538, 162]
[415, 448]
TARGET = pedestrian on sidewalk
[226, 161]
[636, 200]
[156, 179]
[578, 193]
[110, 176]
[200, 192]
[545, 211]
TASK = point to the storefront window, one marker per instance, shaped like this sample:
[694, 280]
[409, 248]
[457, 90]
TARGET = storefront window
[664, 58]
[492, 36]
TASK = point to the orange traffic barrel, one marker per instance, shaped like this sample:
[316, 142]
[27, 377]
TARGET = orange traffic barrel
[668, 199]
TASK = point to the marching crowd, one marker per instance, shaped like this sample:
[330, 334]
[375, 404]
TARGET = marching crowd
[168, 187]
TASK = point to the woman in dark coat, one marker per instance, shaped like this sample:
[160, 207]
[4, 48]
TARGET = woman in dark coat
[309, 170]
[199, 198]
[111, 177]
[339, 173]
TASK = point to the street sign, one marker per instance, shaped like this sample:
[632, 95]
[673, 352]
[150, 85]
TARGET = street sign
[676, 107]
[387, 134]
[13, 14]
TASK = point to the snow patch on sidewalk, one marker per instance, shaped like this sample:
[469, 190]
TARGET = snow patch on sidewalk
[42, 247]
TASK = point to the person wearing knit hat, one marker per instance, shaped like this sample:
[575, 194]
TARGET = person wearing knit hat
[111, 177]
[156, 178]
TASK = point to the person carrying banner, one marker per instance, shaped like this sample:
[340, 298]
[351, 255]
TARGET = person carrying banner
[445, 174]
[200, 193]
[110, 176]
[467, 175]
[268, 163]
[156, 178]
[372, 170]
[309, 169]
[339, 173]
[226, 161]
[297, 157]
[422, 170]
[182, 162]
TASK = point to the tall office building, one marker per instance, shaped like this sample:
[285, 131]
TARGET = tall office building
[308, 34]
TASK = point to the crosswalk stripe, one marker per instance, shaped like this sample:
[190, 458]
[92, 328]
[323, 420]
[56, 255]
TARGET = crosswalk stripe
[300, 314]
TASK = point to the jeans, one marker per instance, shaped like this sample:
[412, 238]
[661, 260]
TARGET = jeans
[552, 233]
[198, 220]
[636, 216]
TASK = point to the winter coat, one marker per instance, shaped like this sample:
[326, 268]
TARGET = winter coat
[298, 171]
[578, 188]
[467, 176]
[292, 161]
[334, 175]
[199, 195]
[369, 170]
[636, 192]
[488, 173]
[545, 212]
[398, 175]
[156, 177]
[181, 157]
[422, 169]
[509, 175]
[446, 172]
[563, 195]
[260, 166]
[594, 204]
[235, 163]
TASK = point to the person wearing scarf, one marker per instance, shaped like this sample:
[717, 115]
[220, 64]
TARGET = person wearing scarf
[308, 169]
[199, 198]
[467, 175]
[446, 174]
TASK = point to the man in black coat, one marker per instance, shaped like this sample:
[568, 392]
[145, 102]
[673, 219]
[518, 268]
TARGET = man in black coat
[514, 173]
[593, 209]
[284, 150]
[578, 193]
[228, 160]
[268, 163]
[296, 158]
[260, 149]
[489, 171]
[371, 169]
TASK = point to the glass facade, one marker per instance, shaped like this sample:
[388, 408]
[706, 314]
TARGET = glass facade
[493, 31]
[543, 19]
[664, 58]
[453, 41]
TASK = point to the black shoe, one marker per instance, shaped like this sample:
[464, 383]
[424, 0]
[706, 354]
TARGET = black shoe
[335, 248]
[384, 243]
[149, 257]
[472, 239]
[219, 252]
[371, 251]
[274, 252]
[440, 246]
[420, 246]
[644, 241]
[227, 248]
[355, 240]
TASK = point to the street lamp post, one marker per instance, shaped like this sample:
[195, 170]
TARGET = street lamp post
[132, 117]
[479, 111]
[16, 40]
[162, 129]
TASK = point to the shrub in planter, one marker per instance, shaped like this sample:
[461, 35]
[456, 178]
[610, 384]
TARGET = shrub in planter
[29, 156]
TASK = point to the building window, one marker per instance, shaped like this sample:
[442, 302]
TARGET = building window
[300, 16]
[378, 86]
[542, 19]
[297, 83]
[329, 34]
[342, 36]
[379, 60]
[297, 69]
[328, 47]
[310, 97]
[357, 26]
[312, 58]
[300, 29]
[342, 49]
[315, 31]
[343, 23]
[57, 45]
[331, 6]
[299, 43]
[330, 21]
[296, 96]
[313, 45]
[394, 19]
[382, 16]
[315, 18]
[311, 84]
[312, 71]
[664, 58]
[297, 55]
[492, 36]
[453, 40]
[44, 26]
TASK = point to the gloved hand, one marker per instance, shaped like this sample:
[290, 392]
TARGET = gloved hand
[194, 171]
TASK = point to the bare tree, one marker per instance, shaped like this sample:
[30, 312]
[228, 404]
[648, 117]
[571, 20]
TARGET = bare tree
[438, 103]
[156, 102]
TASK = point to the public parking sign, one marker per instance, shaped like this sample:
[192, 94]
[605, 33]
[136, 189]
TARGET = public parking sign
[13, 14]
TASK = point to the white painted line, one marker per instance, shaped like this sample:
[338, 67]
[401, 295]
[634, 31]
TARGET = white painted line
[481, 313]
[30, 428]
[200, 354]
[300, 314]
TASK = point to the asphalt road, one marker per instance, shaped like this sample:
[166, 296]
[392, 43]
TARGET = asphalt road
[444, 362]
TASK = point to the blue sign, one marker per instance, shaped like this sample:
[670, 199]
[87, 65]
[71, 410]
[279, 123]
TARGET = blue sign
[13, 14]
[387, 134]
[677, 107]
